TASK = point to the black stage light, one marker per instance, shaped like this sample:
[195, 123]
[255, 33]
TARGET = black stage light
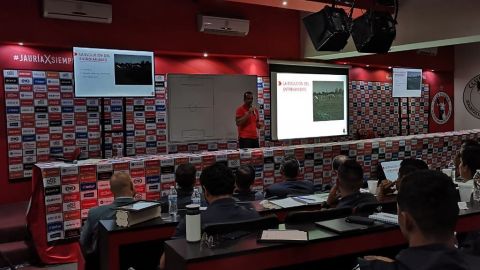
[374, 32]
[329, 29]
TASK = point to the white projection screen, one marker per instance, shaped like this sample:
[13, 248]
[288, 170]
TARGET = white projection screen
[308, 100]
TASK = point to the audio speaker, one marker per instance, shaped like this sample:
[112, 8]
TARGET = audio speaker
[329, 29]
[374, 32]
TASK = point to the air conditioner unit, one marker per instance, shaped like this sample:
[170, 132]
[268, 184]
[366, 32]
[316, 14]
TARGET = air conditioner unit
[223, 26]
[77, 11]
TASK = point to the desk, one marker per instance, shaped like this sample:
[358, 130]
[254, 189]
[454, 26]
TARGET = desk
[248, 254]
[111, 237]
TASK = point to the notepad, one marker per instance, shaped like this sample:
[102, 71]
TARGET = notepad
[385, 218]
[287, 203]
[312, 199]
[284, 236]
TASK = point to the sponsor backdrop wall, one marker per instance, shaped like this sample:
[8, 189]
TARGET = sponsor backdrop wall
[371, 109]
[467, 69]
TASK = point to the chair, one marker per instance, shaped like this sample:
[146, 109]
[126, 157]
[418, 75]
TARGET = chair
[370, 208]
[318, 215]
[251, 225]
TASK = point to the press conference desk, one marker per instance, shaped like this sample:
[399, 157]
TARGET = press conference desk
[246, 253]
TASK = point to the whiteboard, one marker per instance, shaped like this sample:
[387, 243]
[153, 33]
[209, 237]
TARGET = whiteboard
[202, 107]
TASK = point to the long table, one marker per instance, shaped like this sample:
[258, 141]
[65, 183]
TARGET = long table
[247, 253]
[63, 193]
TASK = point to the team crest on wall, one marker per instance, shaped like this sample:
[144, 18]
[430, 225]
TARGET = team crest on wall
[441, 108]
[471, 96]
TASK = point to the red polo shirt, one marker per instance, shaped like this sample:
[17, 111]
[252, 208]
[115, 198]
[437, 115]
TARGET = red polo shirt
[249, 129]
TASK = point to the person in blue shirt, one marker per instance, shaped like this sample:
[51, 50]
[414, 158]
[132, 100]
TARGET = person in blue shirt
[244, 179]
[291, 186]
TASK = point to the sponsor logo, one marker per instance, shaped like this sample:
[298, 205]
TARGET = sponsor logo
[70, 188]
[53, 199]
[88, 186]
[53, 218]
[71, 206]
[55, 226]
[52, 191]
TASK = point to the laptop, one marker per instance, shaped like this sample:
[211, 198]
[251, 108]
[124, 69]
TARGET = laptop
[340, 226]
[390, 169]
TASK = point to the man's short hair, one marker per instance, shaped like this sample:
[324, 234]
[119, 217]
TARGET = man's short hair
[185, 175]
[410, 165]
[431, 199]
[337, 161]
[247, 93]
[470, 157]
[218, 179]
[245, 177]
[467, 143]
[119, 182]
[290, 167]
[350, 174]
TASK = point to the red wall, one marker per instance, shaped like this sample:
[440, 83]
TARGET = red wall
[158, 25]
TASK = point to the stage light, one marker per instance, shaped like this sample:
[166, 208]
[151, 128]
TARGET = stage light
[329, 29]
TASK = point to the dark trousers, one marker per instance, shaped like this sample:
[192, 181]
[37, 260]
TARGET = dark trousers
[247, 143]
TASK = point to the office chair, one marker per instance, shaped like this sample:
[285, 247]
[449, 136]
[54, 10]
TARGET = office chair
[318, 215]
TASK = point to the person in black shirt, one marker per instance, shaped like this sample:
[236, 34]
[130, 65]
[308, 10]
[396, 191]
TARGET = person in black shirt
[185, 176]
[350, 180]
[427, 215]
[218, 183]
[244, 179]
[291, 186]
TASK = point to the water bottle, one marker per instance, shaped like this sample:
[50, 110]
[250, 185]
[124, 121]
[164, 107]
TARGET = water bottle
[196, 196]
[192, 223]
[476, 186]
[172, 201]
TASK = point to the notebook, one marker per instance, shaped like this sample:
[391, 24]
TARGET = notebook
[287, 203]
[283, 236]
[341, 226]
[385, 218]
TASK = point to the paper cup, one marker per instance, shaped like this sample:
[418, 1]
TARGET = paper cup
[372, 186]
[465, 190]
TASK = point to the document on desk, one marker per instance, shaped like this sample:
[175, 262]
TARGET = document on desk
[283, 236]
[312, 199]
[287, 203]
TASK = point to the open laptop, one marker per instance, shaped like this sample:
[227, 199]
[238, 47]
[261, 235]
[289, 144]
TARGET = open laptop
[390, 169]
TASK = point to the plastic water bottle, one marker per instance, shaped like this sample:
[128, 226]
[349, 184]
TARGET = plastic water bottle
[196, 196]
[172, 201]
[476, 186]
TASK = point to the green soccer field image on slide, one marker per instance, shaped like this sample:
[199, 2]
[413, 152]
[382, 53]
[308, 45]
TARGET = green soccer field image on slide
[328, 100]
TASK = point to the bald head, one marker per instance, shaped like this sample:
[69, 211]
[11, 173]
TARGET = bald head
[338, 160]
[121, 185]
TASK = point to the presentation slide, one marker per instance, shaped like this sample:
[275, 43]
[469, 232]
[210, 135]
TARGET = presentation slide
[113, 73]
[309, 105]
[407, 82]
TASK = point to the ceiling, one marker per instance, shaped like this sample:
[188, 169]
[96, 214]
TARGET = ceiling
[310, 5]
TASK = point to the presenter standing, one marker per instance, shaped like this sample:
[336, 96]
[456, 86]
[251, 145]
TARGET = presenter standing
[247, 121]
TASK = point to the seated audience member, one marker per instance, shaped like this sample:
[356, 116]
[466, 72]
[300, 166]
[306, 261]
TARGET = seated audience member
[185, 176]
[427, 215]
[456, 159]
[386, 187]
[218, 184]
[337, 161]
[350, 180]
[291, 186]
[244, 179]
[122, 188]
[469, 162]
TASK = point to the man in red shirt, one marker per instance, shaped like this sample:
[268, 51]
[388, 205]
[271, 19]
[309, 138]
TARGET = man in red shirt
[247, 121]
